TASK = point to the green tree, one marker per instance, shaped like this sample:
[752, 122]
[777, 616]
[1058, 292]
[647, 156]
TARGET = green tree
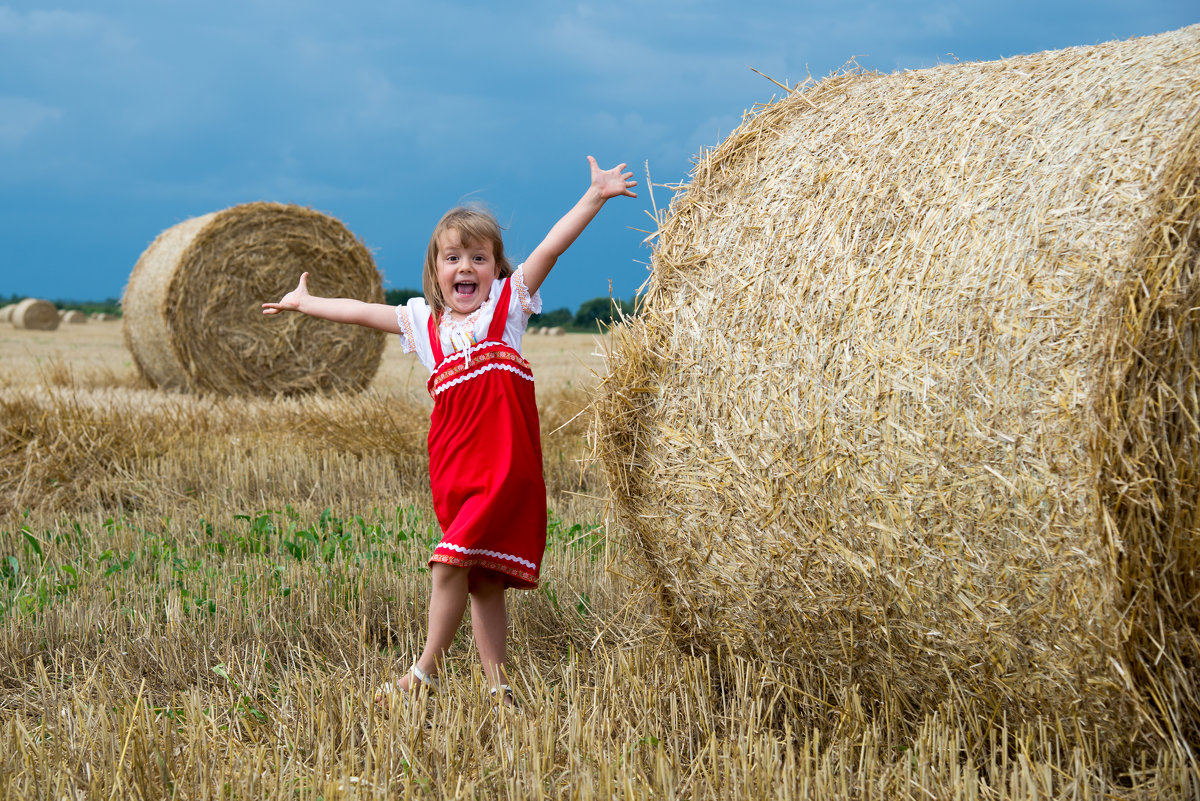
[553, 318]
[398, 297]
[600, 312]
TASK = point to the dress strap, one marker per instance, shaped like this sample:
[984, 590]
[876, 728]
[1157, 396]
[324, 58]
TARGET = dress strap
[435, 338]
[500, 315]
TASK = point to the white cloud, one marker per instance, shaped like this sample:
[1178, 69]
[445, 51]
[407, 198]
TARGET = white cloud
[20, 118]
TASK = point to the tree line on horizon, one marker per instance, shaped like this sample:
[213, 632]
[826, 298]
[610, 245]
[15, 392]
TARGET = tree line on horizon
[591, 315]
[107, 306]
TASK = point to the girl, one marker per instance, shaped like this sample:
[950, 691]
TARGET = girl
[485, 456]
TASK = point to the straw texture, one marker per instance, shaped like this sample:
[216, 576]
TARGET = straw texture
[911, 401]
[35, 315]
[192, 307]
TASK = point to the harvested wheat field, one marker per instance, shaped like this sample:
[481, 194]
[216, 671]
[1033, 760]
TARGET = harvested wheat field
[199, 595]
[910, 411]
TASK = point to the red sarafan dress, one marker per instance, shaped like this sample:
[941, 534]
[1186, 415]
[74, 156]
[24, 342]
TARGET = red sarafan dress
[485, 457]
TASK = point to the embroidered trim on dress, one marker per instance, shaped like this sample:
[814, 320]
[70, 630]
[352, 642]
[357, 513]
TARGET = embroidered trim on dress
[511, 570]
[485, 552]
[404, 317]
[440, 388]
[493, 351]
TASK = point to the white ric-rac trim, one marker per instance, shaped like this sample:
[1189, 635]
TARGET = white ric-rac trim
[478, 371]
[486, 552]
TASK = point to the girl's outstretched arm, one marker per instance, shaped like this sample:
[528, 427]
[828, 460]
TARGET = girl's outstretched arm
[342, 310]
[605, 184]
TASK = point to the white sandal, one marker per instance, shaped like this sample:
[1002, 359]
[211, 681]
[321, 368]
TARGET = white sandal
[503, 696]
[389, 691]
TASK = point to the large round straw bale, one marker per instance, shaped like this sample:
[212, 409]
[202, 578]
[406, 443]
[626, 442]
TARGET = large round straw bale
[35, 315]
[193, 315]
[6, 312]
[912, 402]
[73, 316]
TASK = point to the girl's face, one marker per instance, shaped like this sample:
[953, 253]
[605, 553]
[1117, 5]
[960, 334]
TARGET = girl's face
[465, 271]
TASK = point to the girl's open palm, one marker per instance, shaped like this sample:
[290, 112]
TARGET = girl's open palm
[291, 301]
[611, 183]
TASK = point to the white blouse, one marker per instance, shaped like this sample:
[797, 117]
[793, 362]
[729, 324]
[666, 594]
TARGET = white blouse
[458, 335]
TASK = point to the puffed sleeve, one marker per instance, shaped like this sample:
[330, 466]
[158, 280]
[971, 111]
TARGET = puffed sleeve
[408, 336]
[413, 318]
[529, 304]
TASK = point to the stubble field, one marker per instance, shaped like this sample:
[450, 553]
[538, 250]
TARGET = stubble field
[198, 597]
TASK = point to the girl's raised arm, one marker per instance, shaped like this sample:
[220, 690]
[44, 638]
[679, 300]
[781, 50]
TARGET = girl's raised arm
[341, 310]
[605, 184]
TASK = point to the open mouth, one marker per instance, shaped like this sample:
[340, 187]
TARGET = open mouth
[465, 288]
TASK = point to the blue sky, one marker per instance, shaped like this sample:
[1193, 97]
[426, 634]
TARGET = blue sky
[120, 119]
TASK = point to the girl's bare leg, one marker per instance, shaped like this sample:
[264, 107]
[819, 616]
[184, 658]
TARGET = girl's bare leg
[489, 622]
[447, 603]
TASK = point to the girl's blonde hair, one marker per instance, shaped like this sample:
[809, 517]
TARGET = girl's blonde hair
[472, 225]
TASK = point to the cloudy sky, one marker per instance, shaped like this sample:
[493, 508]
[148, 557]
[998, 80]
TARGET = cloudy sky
[120, 119]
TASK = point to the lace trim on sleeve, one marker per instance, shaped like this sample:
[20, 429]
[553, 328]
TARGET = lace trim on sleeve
[407, 335]
[530, 305]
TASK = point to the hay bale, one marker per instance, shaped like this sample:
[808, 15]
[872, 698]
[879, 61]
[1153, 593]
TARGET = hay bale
[35, 315]
[6, 312]
[192, 308]
[911, 405]
[554, 331]
[73, 316]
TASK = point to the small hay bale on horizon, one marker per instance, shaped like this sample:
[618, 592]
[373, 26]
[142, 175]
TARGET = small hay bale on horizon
[192, 308]
[33, 314]
[911, 411]
[73, 317]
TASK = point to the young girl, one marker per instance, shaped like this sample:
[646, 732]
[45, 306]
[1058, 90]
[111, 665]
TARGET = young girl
[485, 455]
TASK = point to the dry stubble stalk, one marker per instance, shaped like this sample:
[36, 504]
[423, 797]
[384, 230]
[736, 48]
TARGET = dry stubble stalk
[911, 405]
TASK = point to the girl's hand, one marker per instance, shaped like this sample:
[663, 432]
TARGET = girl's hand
[292, 300]
[610, 183]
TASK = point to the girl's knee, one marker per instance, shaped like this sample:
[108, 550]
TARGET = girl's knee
[485, 582]
[448, 574]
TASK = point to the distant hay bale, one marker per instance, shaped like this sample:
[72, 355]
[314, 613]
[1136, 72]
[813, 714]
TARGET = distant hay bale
[35, 315]
[6, 312]
[73, 316]
[911, 404]
[192, 308]
[554, 331]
